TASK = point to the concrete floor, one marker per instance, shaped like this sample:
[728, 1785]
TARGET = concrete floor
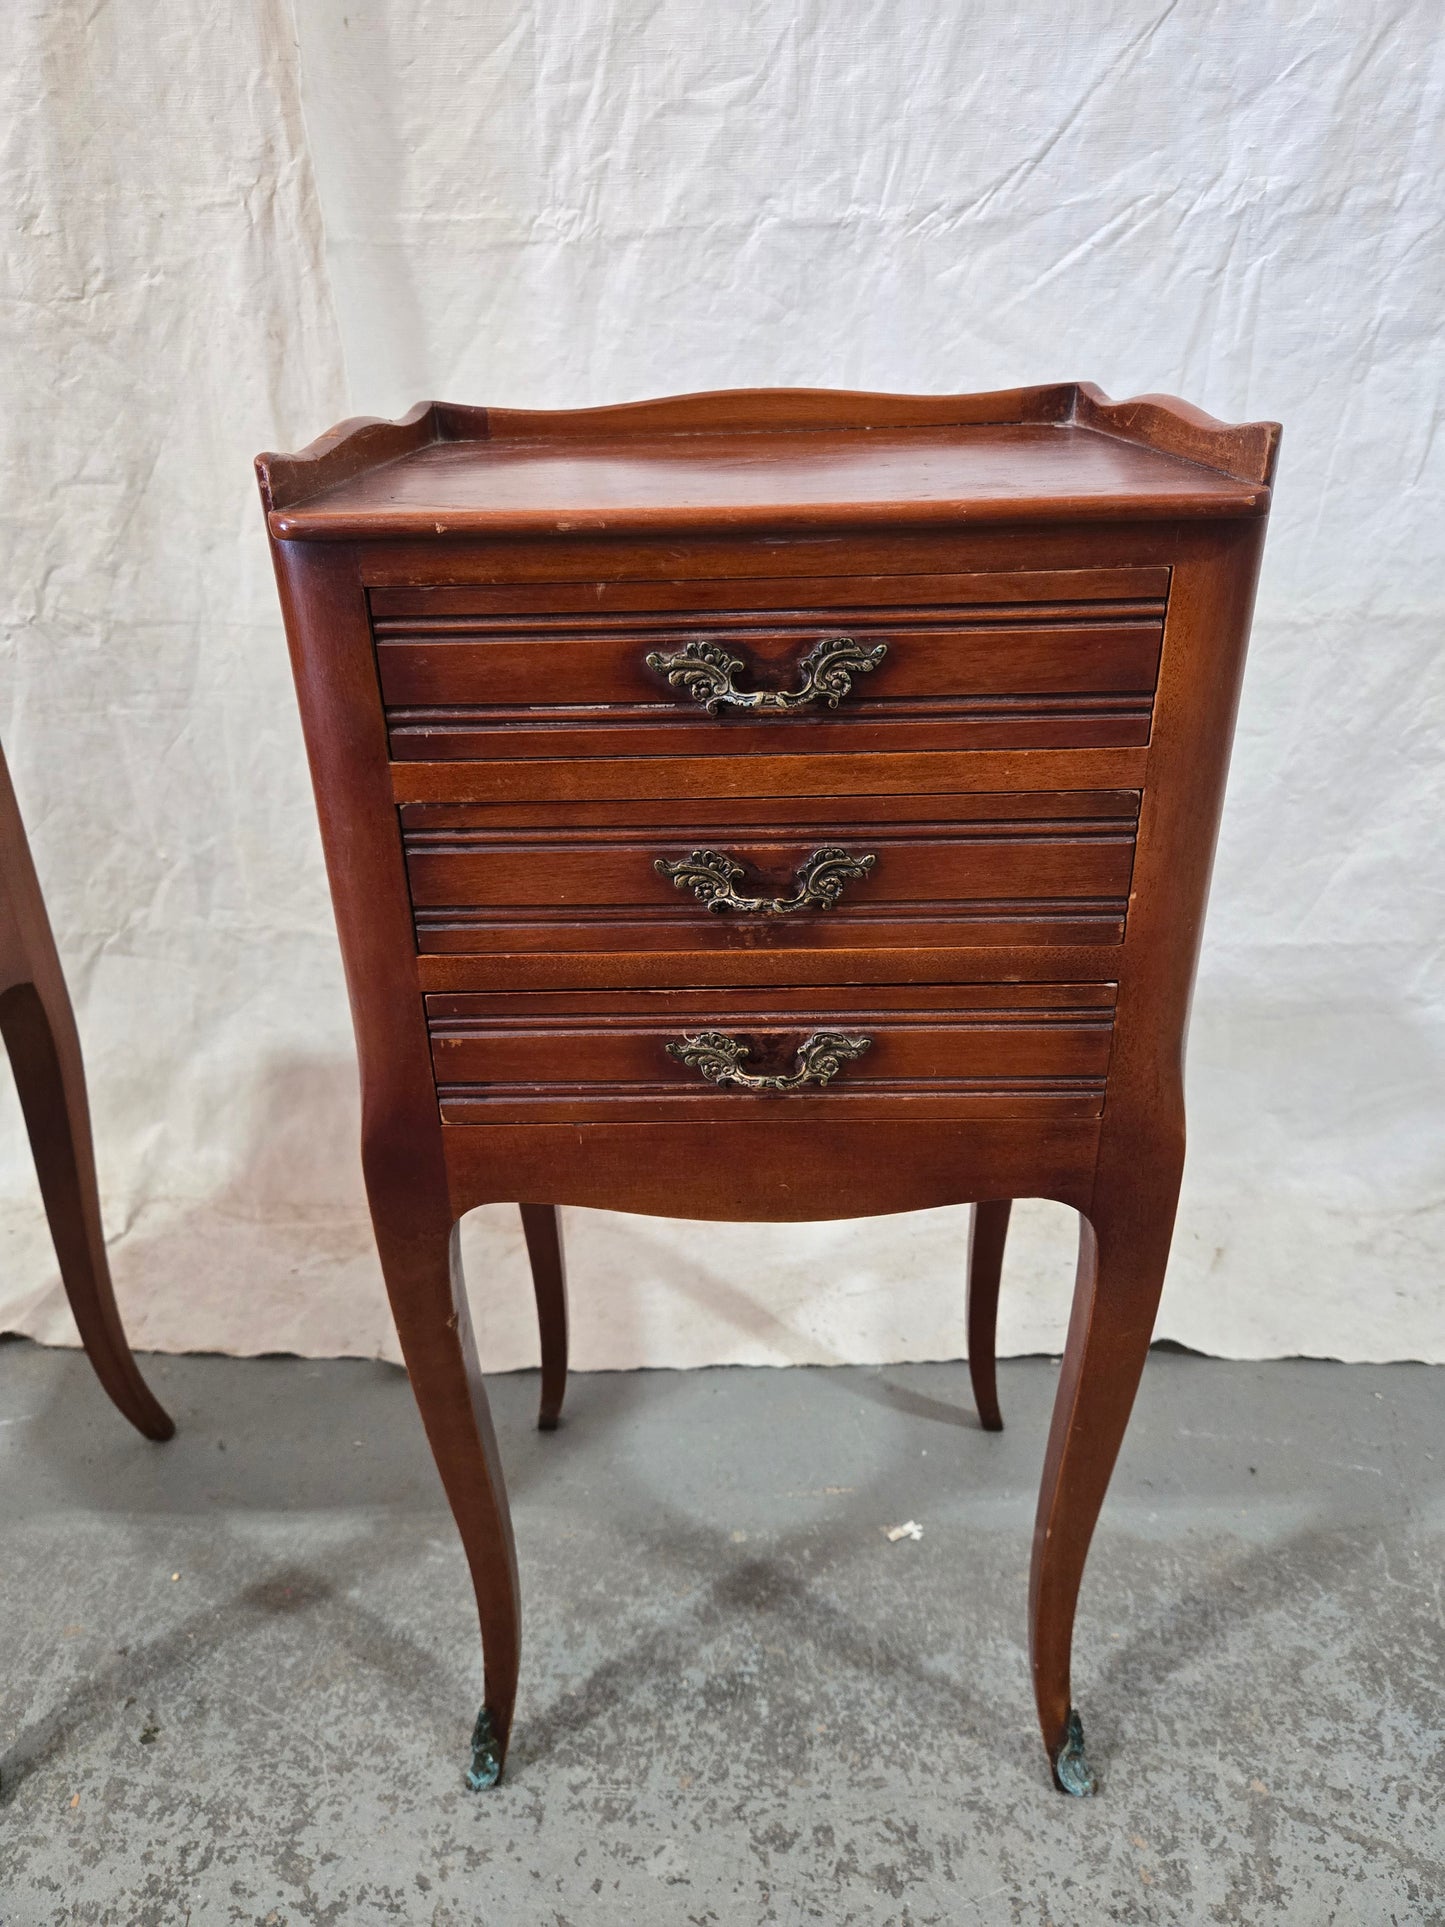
[239, 1670]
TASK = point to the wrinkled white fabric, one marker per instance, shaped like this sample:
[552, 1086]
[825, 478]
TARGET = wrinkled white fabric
[234, 225]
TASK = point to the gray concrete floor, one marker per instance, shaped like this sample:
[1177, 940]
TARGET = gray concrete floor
[239, 1670]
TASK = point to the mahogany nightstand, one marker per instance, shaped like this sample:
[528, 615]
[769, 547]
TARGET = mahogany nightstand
[776, 805]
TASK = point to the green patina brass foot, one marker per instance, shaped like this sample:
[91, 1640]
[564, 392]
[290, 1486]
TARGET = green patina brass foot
[1072, 1772]
[486, 1767]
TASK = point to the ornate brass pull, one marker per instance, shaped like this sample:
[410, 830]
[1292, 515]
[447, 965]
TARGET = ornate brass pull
[705, 672]
[720, 1058]
[713, 879]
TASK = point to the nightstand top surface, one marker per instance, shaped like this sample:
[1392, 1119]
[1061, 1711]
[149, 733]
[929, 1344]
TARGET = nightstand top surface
[784, 460]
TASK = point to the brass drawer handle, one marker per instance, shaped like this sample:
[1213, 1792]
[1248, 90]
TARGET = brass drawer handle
[720, 1057]
[713, 879]
[705, 672]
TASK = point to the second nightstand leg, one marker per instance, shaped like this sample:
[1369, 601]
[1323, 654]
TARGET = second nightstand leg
[44, 1054]
[543, 1228]
[429, 1302]
[1122, 1256]
[987, 1231]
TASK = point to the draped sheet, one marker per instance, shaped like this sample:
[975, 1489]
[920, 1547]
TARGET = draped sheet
[232, 225]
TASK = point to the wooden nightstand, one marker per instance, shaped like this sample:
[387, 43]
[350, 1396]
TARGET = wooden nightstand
[774, 806]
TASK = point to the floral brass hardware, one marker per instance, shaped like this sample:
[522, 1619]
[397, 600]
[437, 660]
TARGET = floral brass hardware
[705, 672]
[713, 879]
[720, 1059]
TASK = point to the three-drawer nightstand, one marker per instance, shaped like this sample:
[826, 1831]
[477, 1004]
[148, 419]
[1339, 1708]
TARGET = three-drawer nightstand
[781, 806]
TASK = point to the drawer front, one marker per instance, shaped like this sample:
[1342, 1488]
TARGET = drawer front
[1027, 660]
[889, 872]
[981, 1051]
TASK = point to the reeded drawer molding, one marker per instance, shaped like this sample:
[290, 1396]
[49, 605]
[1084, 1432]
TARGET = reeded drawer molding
[1010, 869]
[943, 1051]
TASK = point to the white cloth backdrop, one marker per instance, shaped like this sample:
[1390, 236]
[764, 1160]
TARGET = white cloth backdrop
[236, 223]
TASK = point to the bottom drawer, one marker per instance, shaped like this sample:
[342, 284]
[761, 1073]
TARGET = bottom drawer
[955, 1051]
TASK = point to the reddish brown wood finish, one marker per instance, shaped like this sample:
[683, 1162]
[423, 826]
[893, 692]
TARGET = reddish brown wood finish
[683, 778]
[38, 1025]
[1036, 767]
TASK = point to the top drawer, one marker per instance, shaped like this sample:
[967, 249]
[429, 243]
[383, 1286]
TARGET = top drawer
[1030, 659]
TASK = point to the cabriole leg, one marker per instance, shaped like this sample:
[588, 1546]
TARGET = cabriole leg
[543, 1228]
[1123, 1251]
[987, 1233]
[50, 1079]
[428, 1300]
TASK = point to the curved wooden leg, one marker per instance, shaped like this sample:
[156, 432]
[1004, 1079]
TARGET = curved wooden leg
[987, 1233]
[428, 1300]
[1122, 1256]
[542, 1226]
[50, 1079]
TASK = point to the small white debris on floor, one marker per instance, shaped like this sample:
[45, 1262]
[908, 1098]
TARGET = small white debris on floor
[912, 1530]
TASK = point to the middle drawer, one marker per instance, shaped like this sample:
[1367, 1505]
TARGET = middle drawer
[1041, 867]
